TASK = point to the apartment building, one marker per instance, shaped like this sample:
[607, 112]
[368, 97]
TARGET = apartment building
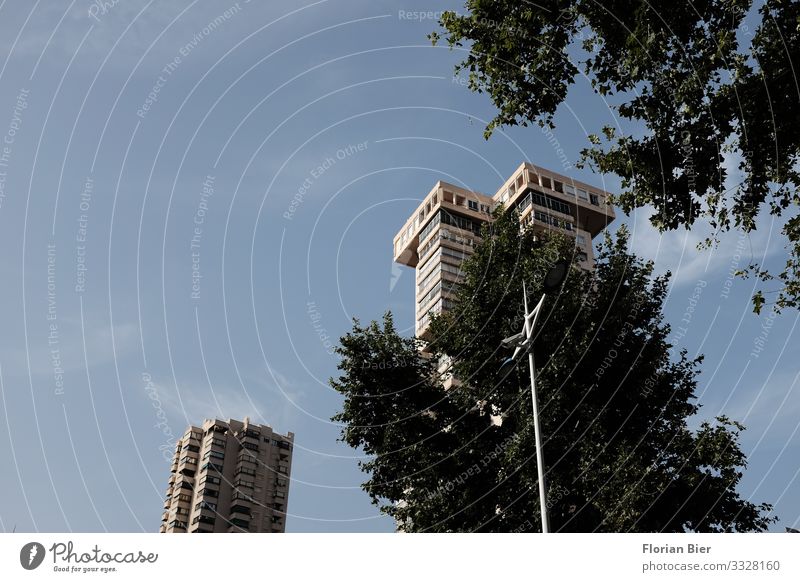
[229, 477]
[446, 226]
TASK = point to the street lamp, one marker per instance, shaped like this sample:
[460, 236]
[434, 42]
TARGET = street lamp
[523, 343]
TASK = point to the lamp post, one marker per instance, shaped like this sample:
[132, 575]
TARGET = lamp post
[523, 342]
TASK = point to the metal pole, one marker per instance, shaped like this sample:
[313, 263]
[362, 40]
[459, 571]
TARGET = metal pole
[539, 452]
[536, 431]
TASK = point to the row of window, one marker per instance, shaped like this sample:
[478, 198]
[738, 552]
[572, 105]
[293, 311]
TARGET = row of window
[545, 201]
[442, 268]
[477, 207]
[205, 505]
[552, 220]
[442, 251]
[443, 304]
[444, 217]
[448, 235]
[550, 184]
[209, 479]
[430, 294]
[211, 520]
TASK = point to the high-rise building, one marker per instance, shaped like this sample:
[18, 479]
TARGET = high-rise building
[229, 477]
[445, 227]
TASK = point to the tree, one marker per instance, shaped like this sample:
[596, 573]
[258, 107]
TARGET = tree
[704, 102]
[615, 397]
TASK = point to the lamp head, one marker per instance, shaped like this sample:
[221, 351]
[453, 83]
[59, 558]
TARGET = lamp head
[555, 276]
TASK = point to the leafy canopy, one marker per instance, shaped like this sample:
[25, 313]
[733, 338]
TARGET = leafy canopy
[614, 395]
[678, 71]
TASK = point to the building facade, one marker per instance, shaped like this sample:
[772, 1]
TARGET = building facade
[229, 477]
[446, 226]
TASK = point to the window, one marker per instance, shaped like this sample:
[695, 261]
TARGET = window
[583, 195]
[243, 483]
[281, 482]
[472, 205]
[193, 448]
[184, 497]
[181, 511]
[205, 505]
[594, 199]
[282, 470]
[580, 239]
[524, 203]
[209, 493]
[546, 182]
[583, 257]
[558, 186]
[485, 208]
[569, 190]
[251, 446]
[178, 523]
[244, 524]
[245, 471]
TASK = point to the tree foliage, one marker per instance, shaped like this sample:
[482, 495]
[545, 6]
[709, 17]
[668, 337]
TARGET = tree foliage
[708, 88]
[614, 396]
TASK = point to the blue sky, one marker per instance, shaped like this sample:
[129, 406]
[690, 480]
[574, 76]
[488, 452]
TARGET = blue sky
[316, 128]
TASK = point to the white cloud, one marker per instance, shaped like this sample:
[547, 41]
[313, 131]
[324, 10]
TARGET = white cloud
[677, 251]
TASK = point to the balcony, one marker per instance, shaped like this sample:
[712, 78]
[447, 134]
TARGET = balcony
[241, 509]
[239, 524]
